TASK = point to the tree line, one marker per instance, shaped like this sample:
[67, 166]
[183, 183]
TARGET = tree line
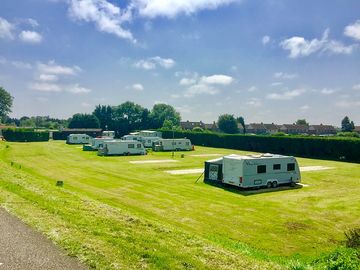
[128, 117]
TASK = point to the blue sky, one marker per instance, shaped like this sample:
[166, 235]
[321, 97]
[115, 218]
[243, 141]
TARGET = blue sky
[267, 60]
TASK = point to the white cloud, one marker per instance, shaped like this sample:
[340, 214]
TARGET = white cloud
[198, 89]
[252, 88]
[265, 40]
[217, 79]
[45, 87]
[85, 104]
[106, 16]
[6, 29]
[170, 9]
[327, 91]
[30, 37]
[183, 109]
[137, 87]
[356, 87]
[347, 104]
[187, 81]
[254, 102]
[153, 62]
[305, 107]
[48, 77]
[353, 30]
[204, 85]
[32, 22]
[77, 89]
[287, 95]
[285, 76]
[52, 68]
[300, 47]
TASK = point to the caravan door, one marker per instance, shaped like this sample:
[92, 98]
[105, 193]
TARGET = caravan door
[213, 172]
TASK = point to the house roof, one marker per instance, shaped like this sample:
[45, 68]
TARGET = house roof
[357, 128]
[190, 125]
[322, 127]
[294, 126]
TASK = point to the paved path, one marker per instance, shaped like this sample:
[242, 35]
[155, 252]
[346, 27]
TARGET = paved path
[25, 249]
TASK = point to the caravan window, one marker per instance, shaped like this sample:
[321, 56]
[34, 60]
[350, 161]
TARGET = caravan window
[131, 145]
[75, 138]
[261, 169]
[173, 143]
[291, 167]
[149, 141]
[187, 143]
[276, 167]
[179, 142]
[139, 145]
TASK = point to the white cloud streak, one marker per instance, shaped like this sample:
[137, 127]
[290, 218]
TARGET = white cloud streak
[353, 30]
[205, 84]
[52, 68]
[171, 9]
[6, 29]
[138, 87]
[154, 62]
[285, 76]
[265, 40]
[300, 47]
[30, 37]
[77, 89]
[287, 95]
[45, 87]
[106, 16]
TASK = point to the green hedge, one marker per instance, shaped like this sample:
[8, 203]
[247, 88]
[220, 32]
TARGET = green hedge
[304, 146]
[25, 135]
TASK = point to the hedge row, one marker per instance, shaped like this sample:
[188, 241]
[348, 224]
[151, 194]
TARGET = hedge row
[25, 135]
[62, 135]
[315, 147]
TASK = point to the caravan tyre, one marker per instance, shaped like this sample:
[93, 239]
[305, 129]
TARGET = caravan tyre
[268, 185]
[274, 184]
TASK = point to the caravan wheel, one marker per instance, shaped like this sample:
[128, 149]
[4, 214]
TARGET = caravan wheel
[269, 185]
[274, 184]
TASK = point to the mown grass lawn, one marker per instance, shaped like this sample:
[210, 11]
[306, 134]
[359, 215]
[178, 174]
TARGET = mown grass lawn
[113, 214]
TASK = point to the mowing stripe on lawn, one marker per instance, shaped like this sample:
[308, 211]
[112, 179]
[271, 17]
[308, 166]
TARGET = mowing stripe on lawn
[152, 161]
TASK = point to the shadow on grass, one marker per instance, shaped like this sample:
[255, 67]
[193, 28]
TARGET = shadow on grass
[251, 191]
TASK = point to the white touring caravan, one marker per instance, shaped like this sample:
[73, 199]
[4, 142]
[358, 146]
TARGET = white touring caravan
[78, 139]
[98, 143]
[148, 141]
[150, 133]
[260, 170]
[131, 137]
[172, 145]
[122, 147]
[108, 134]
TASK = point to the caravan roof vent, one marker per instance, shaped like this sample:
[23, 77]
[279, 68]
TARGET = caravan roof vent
[267, 155]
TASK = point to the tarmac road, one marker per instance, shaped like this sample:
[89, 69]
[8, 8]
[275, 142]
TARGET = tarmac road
[25, 249]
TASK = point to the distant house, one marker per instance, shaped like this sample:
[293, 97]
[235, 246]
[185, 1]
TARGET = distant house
[261, 128]
[322, 130]
[187, 125]
[357, 129]
[256, 128]
[294, 129]
[213, 127]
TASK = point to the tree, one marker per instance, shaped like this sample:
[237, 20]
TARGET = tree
[241, 121]
[227, 123]
[104, 113]
[301, 122]
[128, 116]
[80, 120]
[197, 129]
[162, 112]
[6, 102]
[346, 125]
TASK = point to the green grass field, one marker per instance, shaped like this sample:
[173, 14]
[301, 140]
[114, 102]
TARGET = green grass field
[115, 215]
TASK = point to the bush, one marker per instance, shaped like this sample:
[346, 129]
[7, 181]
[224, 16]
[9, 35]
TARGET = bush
[197, 129]
[25, 135]
[349, 134]
[353, 238]
[304, 146]
[341, 259]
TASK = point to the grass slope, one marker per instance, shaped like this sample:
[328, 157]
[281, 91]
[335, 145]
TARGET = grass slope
[113, 214]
